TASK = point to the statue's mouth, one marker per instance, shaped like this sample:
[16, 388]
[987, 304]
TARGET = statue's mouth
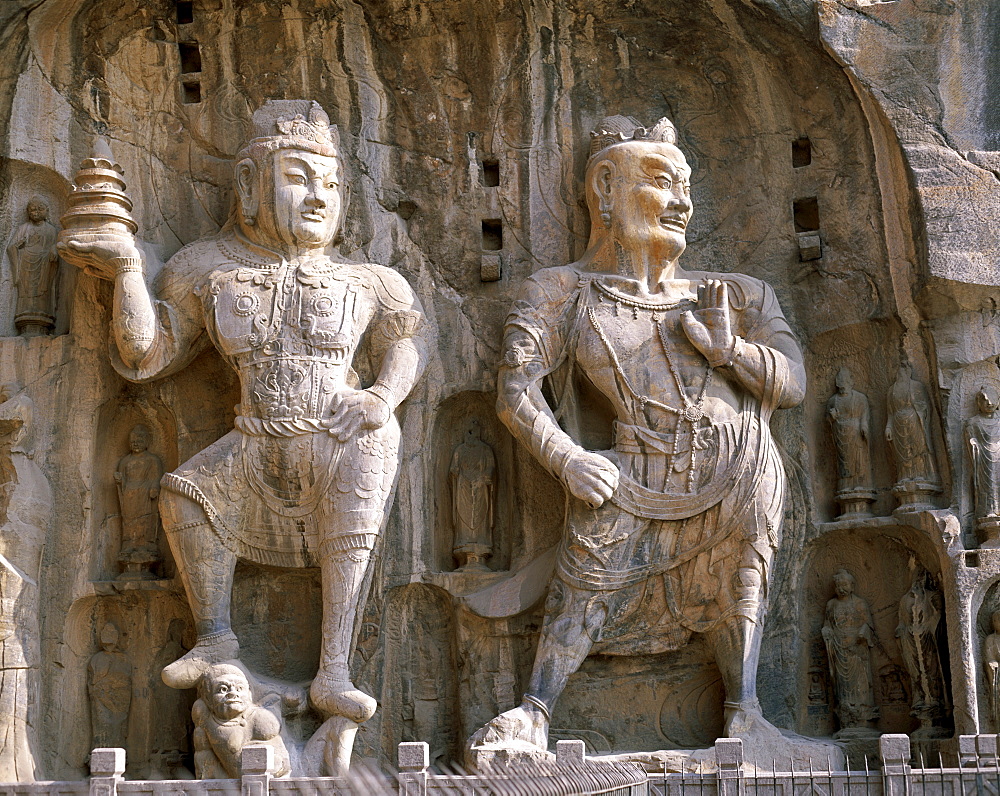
[673, 222]
[312, 215]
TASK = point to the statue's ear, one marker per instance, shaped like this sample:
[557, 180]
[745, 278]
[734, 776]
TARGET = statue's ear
[601, 183]
[248, 190]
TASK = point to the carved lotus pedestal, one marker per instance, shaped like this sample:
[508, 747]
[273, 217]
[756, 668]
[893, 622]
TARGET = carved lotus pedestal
[855, 504]
[915, 495]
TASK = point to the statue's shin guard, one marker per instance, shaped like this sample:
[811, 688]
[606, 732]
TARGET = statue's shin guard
[206, 568]
[344, 563]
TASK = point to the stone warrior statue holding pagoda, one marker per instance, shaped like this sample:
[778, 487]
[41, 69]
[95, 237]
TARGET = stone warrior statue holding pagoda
[672, 532]
[325, 351]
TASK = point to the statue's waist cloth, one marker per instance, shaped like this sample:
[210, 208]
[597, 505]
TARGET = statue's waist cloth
[281, 500]
[663, 555]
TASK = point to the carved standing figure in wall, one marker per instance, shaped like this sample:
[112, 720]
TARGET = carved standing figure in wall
[325, 350]
[850, 420]
[991, 662]
[34, 263]
[473, 485]
[226, 719]
[919, 617]
[171, 714]
[673, 531]
[908, 431]
[25, 515]
[982, 433]
[109, 686]
[849, 634]
[138, 478]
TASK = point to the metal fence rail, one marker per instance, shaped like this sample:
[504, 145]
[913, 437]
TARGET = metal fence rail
[977, 771]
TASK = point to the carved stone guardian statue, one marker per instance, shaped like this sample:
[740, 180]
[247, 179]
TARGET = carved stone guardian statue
[138, 478]
[849, 635]
[305, 477]
[226, 719]
[851, 424]
[991, 663]
[473, 482]
[693, 364]
[25, 515]
[109, 685]
[34, 263]
[908, 431]
[919, 617]
[982, 434]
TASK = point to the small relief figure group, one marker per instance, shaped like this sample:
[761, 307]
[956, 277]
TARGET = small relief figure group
[850, 637]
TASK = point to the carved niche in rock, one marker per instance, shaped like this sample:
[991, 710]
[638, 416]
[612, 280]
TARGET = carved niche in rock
[305, 477]
[34, 264]
[849, 635]
[171, 712]
[982, 435]
[991, 663]
[109, 686]
[138, 478]
[850, 419]
[908, 431]
[25, 514]
[473, 492]
[226, 719]
[919, 617]
[693, 376]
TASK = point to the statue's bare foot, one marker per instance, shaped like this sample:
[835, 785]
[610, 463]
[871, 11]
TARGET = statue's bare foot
[745, 719]
[340, 698]
[207, 651]
[525, 724]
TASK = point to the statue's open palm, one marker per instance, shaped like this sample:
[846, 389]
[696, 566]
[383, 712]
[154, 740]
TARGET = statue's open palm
[708, 327]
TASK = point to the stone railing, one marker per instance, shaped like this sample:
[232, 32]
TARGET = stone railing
[978, 771]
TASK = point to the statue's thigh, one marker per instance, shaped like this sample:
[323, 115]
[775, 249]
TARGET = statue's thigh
[363, 482]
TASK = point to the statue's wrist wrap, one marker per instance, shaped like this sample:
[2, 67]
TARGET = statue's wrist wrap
[126, 265]
[730, 358]
[382, 392]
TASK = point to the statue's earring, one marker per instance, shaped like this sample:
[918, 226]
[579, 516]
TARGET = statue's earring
[606, 219]
[249, 219]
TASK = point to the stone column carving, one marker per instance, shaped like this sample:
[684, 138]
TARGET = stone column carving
[304, 478]
[473, 485]
[25, 514]
[138, 478]
[109, 686]
[693, 366]
[850, 420]
[919, 616]
[34, 263]
[982, 434]
[849, 635]
[909, 433]
[226, 719]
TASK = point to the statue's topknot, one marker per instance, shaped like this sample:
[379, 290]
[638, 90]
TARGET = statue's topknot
[613, 130]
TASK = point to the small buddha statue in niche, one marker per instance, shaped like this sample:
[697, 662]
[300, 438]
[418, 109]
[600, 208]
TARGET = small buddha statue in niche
[982, 434]
[919, 617]
[138, 478]
[849, 634]
[991, 662]
[473, 484]
[850, 421]
[109, 686]
[34, 262]
[908, 431]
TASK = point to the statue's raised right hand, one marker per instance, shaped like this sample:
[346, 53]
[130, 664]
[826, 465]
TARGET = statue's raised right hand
[590, 477]
[94, 253]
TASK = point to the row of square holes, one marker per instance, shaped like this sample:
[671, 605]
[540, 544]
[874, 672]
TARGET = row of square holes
[190, 54]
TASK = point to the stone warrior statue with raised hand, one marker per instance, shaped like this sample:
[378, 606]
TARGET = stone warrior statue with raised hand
[672, 531]
[325, 350]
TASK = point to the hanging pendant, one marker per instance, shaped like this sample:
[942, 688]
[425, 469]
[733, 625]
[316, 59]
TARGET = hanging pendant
[635, 313]
[655, 317]
[618, 308]
[693, 413]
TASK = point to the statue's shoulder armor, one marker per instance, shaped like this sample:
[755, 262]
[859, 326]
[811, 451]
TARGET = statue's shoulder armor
[389, 286]
[190, 266]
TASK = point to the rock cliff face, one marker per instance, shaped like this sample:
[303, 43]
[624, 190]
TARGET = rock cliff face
[841, 151]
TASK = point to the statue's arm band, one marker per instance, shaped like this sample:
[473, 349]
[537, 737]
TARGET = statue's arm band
[126, 265]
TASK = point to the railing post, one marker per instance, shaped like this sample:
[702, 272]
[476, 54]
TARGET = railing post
[256, 768]
[967, 753]
[413, 757]
[729, 754]
[106, 769]
[570, 753]
[895, 753]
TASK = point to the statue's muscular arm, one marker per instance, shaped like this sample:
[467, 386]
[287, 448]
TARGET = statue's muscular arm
[534, 336]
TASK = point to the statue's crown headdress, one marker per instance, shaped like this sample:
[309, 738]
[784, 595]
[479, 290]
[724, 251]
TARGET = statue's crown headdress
[613, 130]
[292, 124]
